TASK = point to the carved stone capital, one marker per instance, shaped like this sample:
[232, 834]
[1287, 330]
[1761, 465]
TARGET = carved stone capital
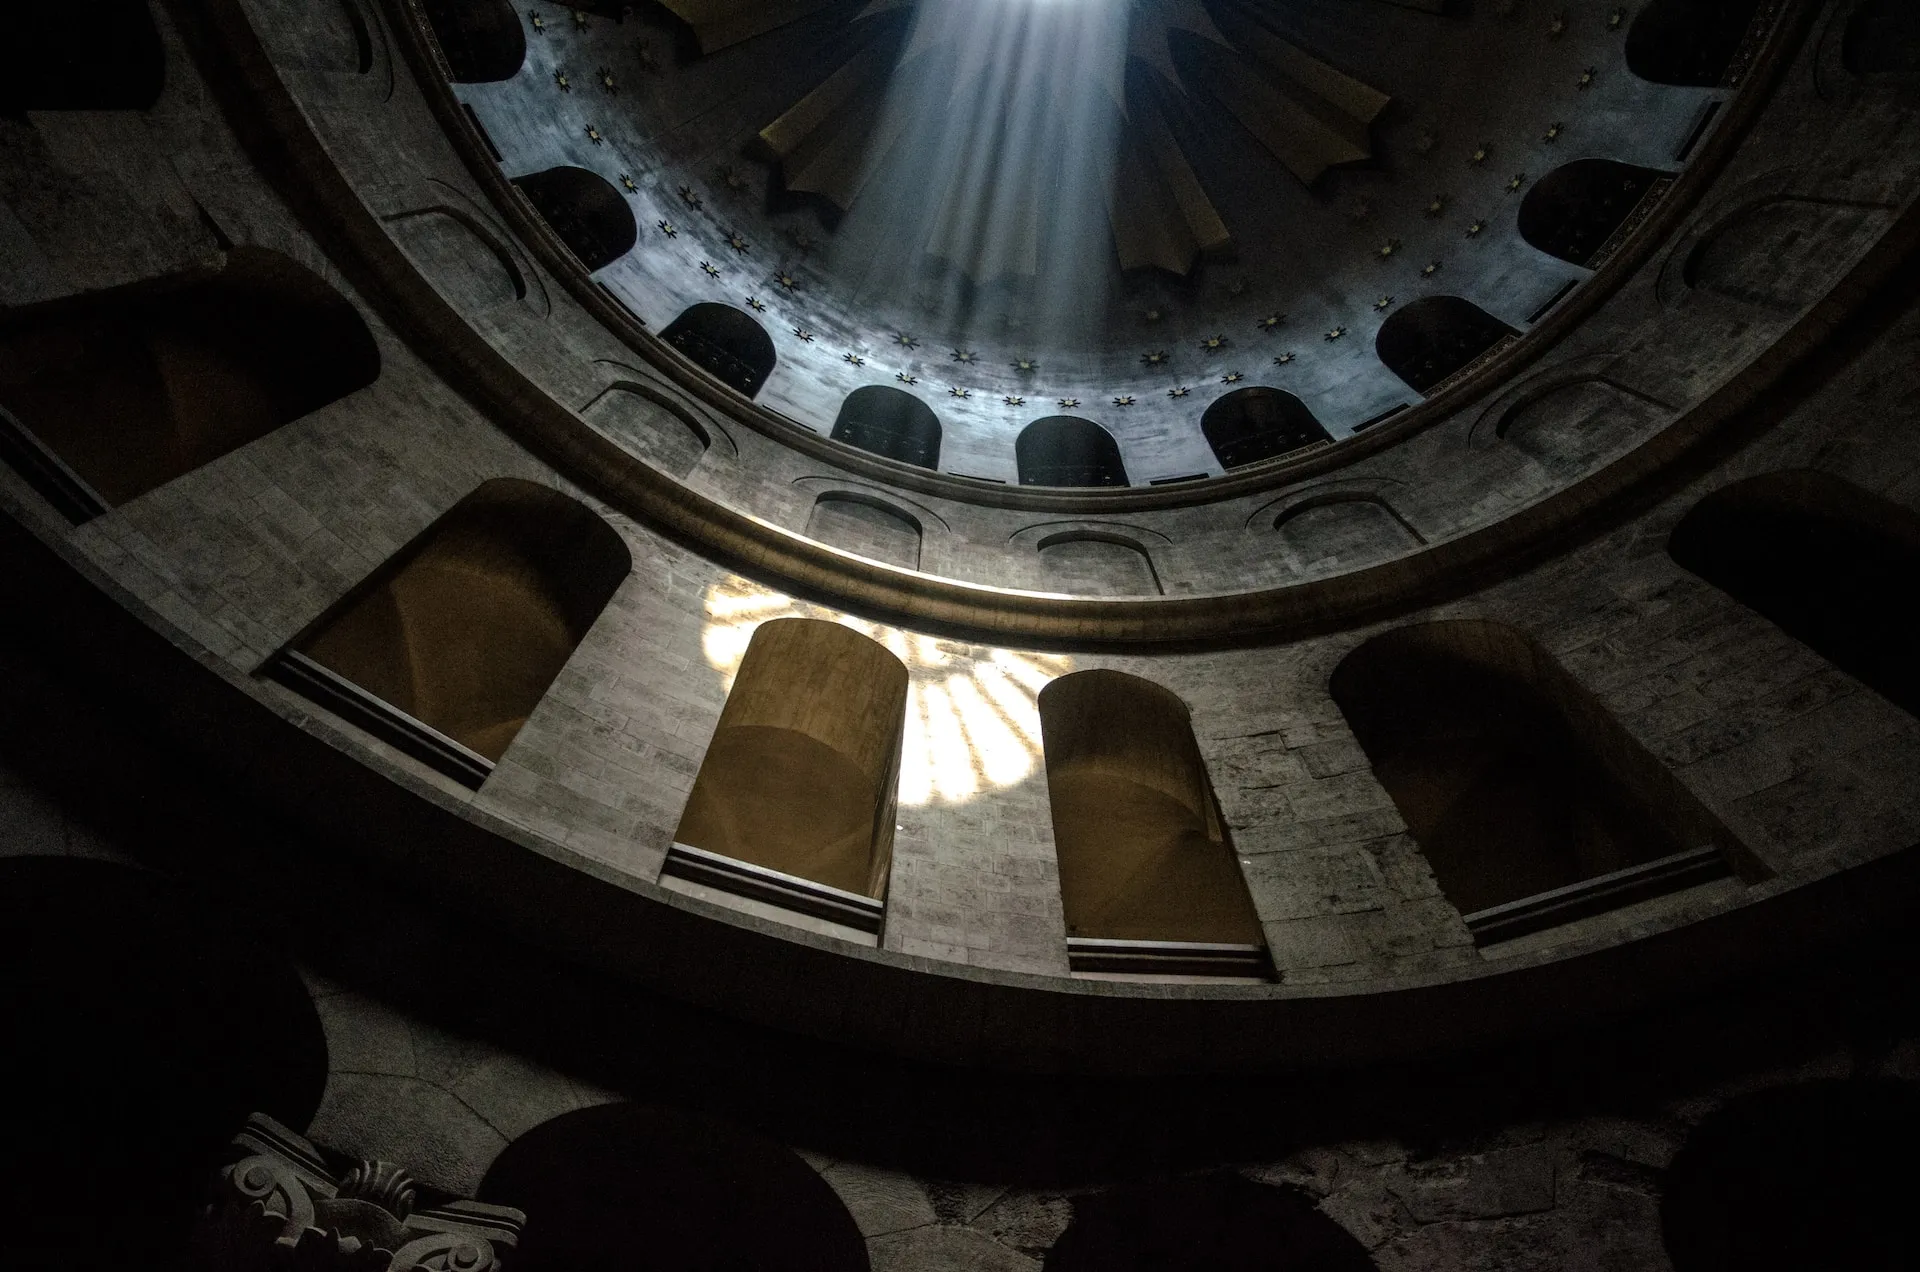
[279, 1206]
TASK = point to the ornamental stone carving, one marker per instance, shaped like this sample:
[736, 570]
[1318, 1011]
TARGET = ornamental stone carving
[280, 1206]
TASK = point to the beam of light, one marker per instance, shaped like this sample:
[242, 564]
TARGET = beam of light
[989, 192]
[972, 724]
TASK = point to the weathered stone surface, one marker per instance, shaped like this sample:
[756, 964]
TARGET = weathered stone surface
[941, 1249]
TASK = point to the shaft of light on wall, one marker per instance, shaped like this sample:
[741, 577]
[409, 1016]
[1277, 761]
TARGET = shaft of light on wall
[972, 717]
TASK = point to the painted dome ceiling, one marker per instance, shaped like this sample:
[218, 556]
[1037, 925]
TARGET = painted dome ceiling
[1121, 212]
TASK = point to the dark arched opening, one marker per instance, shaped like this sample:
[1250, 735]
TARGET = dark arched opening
[103, 55]
[146, 1021]
[449, 646]
[585, 211]
[695, 1194]
[799, 782]
[119, 392]
[483, 39]
[1813, 1176]
[1823, 560]
[1883, 38]
[1216, 1223]
[727, 343]
[1689, 43]
[1530, 802]
[1144, 855]
[1574, 210]
[1249, 425]
[890, 422]
[1432, 338]
[1065, 450]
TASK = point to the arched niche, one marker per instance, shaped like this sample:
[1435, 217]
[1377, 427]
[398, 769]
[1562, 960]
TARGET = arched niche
[1574, 211]
[867, 525]
[465, 258]
[1065, 450]
[1810, 1176]
[696, 1194]
[1530, 802]
[1781, 253]
[1213, 1223]
[120, 391]
[1882, 37]
[661, 433]
[482, 39]
[1098, 563]
[1823, 560]
[1343, 529]
[148, 1019]
[889, 422]
[799, 782]
[101, 55]
[1428, 340]
[447, 648]
[1568, 425]
[1143, 853]
[1689, 43]
[585, 211]
[1252, 424]
[729, 344]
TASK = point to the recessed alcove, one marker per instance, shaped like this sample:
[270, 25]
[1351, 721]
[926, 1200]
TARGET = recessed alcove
[1065, 450]
[868, 525]
[1249, 425]
[727, 343]
[635, 415]
[693, 1192]
[1824, 560]
[447, 648]
[118, 392]
[1429, 340]
[1882, 37]
[1574, 211]
[1343, 529]
[1688, 43]
[1528, 800]
[890, 422]
[585, 212]
[793, 803]
[482, 40]
[1148, 875]
[464, 255]
[102, 55]
[1778, 253]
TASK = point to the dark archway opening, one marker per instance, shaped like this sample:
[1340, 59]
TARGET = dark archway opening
[120, 392]
[70, 55]
[450, 645]
[1824, 561]
[483, 39]
[1252, 424]
[1065, 450]
[1434, 337]
[729, 344]
[1574, 210]
[1518, 786]
[1815, 1176]
[1688, 43]
[146, 1022]
[1883, 38]
[585, 211]
[604, 1187]
[890, 422]
[1217, 1223]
